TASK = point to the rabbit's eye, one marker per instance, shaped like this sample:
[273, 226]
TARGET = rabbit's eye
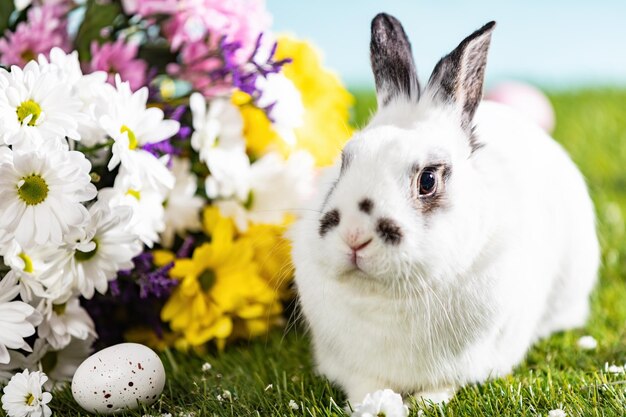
[427, 182]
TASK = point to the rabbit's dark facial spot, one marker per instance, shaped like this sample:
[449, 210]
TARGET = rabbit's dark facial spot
[328, 221]
[366, 205]
[389, 231]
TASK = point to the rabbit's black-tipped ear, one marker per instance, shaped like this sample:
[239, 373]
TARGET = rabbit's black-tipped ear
[392, 61]
[458, 77]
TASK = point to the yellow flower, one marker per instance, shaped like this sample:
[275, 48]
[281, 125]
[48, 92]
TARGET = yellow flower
[257, 128]
[147, 336]
[326, 102]
[220, 287]
[272, 252]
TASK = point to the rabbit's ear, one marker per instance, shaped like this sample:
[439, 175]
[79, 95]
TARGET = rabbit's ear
[458, 77]
[392, 61]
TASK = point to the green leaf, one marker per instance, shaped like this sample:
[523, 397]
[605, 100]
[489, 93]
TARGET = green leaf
[157, 55]
[6, 9]
[97, 17]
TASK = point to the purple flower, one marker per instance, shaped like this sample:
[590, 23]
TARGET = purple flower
[135, 299]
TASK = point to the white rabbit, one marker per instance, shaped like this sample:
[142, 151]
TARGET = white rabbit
[450, 237]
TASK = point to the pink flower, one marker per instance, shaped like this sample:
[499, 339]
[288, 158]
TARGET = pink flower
[236, 20]
[119, 58]
[44, 28]
[149, 7]
[198, 60]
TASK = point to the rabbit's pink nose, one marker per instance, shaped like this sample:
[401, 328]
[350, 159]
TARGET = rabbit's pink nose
[357, 245]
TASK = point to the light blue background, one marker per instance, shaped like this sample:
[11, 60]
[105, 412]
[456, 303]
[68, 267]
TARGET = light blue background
[553, 43]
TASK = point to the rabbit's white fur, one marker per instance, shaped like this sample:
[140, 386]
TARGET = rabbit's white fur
[510, 257]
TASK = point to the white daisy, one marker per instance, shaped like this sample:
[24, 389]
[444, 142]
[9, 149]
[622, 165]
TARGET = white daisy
[89, 259]
[24, 396]
[87, 87]
[182, 205]
[229, 173]
[63, 321]
[17, 319]
[293, 405]
[221, 123]
[557, 413]
[381, 403]
[147, 219]
[218, 138]
[286, 111]
[27, 267]
[277, 186]
[36, 108]
[42, 194]
[132, 125]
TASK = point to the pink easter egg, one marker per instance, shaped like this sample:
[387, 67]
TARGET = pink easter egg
[526, 99]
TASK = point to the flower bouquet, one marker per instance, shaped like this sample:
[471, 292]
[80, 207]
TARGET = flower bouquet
[152, 154]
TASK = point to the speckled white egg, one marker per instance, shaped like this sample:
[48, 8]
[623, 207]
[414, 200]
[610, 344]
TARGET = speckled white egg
[118, 378]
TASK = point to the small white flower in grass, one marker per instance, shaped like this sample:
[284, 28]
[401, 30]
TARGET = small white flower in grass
[182, 205]
[277, 186]
[42, 194]
[147, 220]
[382, 403]
[227, 395]
[36, 108]
[587, 343]
[613, 369]
[218, 139]
[286, 111]
[17, 319]
[24, 396]
[557, 413]
[206, 367]
[293, 405]
[65, 321]
[90, 258]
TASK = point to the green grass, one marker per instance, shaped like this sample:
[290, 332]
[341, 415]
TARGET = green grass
[265, 375]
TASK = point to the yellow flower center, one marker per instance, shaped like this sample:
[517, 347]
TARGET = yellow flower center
[26, 109]
[30, 399]
[59, 309]
[28, 263]
[134, 193]
[207, 279]
[132, 139]
[32, 190]
[85, 256]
